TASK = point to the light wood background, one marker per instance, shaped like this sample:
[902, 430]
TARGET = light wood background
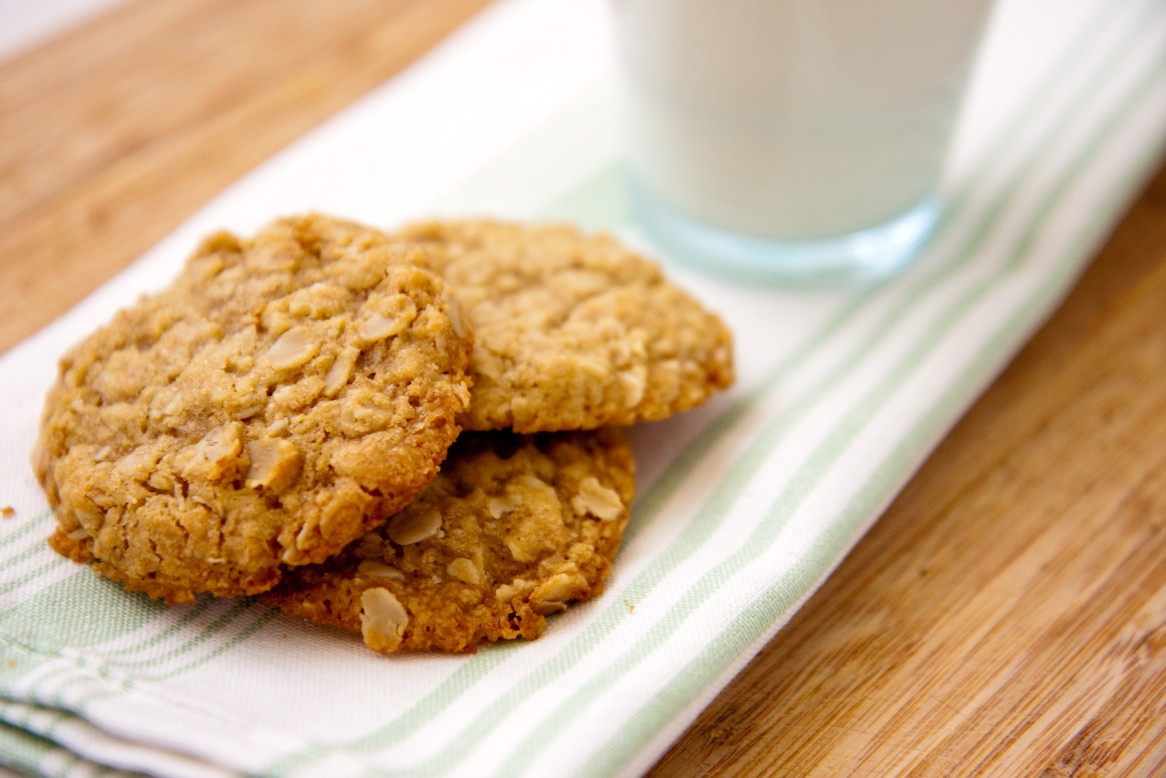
[1007, 616]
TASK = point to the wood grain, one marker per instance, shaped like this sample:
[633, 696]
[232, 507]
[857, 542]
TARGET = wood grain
[1007, 616]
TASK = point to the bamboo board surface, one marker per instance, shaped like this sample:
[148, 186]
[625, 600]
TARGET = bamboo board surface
[1007, 616]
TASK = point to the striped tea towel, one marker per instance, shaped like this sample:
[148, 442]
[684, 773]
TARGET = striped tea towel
[744, 506]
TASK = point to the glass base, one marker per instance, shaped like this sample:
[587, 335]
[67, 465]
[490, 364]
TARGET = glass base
[861, 257]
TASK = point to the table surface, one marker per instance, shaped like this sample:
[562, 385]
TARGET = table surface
[1007, 615]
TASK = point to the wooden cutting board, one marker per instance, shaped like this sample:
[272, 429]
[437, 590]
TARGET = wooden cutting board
[1007, 616]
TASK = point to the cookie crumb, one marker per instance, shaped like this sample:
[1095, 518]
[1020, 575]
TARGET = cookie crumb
[7, 512]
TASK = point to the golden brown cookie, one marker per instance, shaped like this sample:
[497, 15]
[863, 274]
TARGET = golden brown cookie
[285, 395]
[512, 530]
[573, 331]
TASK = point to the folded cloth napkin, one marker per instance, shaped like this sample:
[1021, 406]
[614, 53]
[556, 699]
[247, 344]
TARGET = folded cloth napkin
[744, 506]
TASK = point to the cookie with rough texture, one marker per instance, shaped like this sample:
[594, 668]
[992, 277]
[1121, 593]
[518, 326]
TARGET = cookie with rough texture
[573, 331]
[512, 530]
[286, 394]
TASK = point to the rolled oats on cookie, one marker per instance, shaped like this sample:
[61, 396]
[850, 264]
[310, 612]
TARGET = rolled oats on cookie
[573, 331]
[285, 395]
[513, 529]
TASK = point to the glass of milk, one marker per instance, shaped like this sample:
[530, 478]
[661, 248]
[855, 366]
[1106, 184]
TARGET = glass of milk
[795, 139]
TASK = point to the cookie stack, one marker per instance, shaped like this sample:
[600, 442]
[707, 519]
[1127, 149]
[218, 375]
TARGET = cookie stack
[414, 436]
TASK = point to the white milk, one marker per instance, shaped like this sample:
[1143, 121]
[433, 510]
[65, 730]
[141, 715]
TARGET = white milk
[794, 119]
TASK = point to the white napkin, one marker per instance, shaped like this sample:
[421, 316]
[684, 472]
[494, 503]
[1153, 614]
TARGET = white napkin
[744, 506]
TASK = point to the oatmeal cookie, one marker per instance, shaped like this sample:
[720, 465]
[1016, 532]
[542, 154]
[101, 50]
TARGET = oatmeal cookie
[573, 331]
[512, 530]
[284, 396]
